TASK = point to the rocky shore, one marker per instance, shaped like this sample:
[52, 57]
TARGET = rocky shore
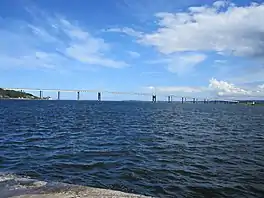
[12, 186]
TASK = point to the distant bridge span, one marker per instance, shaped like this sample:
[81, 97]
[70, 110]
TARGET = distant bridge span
[98, 91]
[79, 90]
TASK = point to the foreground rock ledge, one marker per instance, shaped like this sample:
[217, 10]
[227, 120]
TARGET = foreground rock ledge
[86, 192]
[14, 187]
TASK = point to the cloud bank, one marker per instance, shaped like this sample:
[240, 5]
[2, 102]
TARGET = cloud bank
[222, 28]
[215, 89]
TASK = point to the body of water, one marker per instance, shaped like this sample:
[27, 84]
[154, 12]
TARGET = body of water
[160, 150]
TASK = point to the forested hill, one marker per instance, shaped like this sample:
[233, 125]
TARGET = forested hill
[15, 94]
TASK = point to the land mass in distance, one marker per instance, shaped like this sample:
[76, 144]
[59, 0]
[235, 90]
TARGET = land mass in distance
[11, 94]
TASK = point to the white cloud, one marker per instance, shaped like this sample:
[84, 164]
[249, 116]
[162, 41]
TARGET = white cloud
[90, 51]
[261, 86]
[180, 63]
[220, 61]
[223, 88]
[178, 91]
[125, 30]
[228, 90]
[42, 33]
[184, 63]
[223, 28]
[52, 42]
[33, 60]
[134, 54]
[216, 89]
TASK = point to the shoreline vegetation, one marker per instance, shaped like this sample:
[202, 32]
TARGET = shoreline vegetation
[252, 103]
[18, 95]
[11, 94]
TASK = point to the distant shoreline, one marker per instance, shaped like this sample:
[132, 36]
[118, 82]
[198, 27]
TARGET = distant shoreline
[21, 99]
[17, 95]
[178, 102]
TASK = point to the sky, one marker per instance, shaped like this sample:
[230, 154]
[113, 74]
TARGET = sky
[196, 48]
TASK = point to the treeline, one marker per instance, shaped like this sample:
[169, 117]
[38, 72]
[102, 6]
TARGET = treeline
[15, 94]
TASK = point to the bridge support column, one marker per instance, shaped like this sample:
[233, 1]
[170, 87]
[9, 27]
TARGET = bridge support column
[154, 98]
[40, 94]
[169, 99]
[99, 96]
[78, 95]
[58, 95]
[182, 101]
[21, 91]
[194, 100]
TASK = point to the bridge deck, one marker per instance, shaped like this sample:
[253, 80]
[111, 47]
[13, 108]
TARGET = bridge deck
[117, 93]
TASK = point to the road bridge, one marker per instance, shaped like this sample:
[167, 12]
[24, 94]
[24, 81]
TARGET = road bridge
[170, 97]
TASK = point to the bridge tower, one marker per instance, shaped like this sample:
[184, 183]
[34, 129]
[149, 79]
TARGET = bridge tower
[99, 96]
[169, 99]
[58, 95]
[78, 95]
[154, 98]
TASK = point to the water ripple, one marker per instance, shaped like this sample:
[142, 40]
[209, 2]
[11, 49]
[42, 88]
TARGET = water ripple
[161, 150]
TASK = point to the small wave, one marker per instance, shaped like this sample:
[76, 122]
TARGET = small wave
[14, 186]
[84, 166]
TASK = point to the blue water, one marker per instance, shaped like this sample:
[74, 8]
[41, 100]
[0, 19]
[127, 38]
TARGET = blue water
[161, 150]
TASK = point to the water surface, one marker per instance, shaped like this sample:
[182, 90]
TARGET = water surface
[161, 150]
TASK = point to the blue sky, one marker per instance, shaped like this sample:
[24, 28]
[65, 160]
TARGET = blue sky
[185, 48]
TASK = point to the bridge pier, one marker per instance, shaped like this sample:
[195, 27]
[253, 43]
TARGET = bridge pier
[99, 96]
[182, 100]
[40, 94]
[154, 98]
[58, 95]
[21, 91]
[169, 99]
[194, 100]
[78, 95]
